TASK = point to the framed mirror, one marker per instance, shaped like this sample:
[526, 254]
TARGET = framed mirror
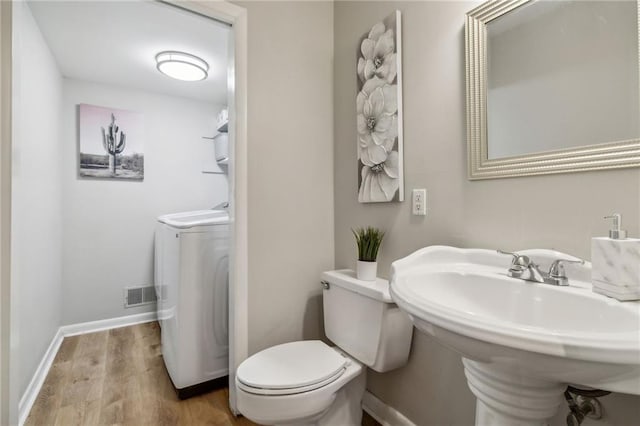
[552, 87]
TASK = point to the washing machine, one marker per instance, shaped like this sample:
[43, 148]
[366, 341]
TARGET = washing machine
[192, 280]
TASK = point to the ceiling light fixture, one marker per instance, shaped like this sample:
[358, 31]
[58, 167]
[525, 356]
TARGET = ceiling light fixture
[182, 66]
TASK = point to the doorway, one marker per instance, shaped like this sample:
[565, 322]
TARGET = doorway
[224, 12]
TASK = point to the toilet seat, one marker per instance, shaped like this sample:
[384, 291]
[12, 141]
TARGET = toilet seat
[290, 391]
[291, 368]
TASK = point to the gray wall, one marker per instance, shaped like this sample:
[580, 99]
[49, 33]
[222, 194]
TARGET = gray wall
[36, 238]
[290, 104]
[109, 224]
[567, 209]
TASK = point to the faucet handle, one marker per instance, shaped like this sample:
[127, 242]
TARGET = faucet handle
[556, 270]
[519, 261]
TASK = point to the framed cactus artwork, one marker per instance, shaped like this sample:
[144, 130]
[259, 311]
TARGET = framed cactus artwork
[379, 113]
[111, 143]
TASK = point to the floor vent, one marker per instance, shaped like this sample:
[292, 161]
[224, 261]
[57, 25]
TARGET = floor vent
[137, 296]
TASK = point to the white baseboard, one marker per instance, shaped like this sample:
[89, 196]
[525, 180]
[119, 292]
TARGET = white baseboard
[31, 393]
[33, 388]
[107, 324]
[382, 413]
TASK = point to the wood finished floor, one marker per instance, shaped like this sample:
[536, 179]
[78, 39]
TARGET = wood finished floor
[118, 377]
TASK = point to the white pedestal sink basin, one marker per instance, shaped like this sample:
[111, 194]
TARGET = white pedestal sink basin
[522, 342]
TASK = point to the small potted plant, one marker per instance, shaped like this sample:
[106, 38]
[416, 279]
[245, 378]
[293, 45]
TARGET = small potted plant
[368, 240]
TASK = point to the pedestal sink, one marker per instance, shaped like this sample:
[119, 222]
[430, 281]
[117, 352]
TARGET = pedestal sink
[521, 342]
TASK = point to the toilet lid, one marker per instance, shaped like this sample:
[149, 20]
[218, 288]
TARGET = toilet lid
[292, 365]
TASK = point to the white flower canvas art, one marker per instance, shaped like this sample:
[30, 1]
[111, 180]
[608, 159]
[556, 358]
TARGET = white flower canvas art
[379, 113]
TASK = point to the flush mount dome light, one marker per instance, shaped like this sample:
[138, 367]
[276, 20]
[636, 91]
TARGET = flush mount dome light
[182, 66]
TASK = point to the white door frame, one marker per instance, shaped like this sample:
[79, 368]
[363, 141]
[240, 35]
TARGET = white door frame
[236, 16]
[223, 11]
[5, 208]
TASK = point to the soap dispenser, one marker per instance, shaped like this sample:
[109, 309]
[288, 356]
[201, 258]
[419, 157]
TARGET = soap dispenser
[615, 263]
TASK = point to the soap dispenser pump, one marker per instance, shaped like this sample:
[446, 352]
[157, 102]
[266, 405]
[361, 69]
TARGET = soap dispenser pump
[616, 233]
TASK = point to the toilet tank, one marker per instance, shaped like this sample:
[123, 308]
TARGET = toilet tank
[361, 319]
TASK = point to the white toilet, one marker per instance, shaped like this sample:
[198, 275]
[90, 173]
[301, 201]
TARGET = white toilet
[309, 382]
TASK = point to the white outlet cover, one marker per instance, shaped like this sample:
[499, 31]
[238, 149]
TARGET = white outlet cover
[419, 202]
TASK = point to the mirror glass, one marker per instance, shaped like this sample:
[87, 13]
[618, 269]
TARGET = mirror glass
[561, 74]
[552, 87]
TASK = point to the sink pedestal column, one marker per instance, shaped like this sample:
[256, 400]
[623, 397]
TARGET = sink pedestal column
[508, 398]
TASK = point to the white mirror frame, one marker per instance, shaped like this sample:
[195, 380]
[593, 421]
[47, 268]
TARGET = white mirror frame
[608, 155]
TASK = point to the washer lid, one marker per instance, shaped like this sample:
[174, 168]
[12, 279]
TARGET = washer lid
[195, 218]
[291, 365]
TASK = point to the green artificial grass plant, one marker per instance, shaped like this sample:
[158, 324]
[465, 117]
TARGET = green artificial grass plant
[369, 240]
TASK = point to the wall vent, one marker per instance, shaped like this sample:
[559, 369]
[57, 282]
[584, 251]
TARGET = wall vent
[137, 296]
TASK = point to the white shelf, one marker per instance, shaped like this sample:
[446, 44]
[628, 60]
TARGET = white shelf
[223, 127]
[212, 138]
[223, 120]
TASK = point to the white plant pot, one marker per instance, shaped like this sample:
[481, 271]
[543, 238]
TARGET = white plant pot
[366, 271]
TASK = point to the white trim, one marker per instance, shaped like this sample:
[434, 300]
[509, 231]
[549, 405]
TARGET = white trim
[7, 397]
[31, 393]
[239, 276]
[236, 16]
[383, 413]
[107, 324]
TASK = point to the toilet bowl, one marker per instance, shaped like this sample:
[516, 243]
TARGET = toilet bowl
[311, 383]
[306, 382]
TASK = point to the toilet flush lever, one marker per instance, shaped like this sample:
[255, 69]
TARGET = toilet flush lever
[325, 285]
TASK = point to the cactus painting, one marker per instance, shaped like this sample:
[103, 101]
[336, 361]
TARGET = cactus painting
[111, 143]
[113, 140]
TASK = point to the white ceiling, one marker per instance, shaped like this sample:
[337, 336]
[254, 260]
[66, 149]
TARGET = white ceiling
[115, 42]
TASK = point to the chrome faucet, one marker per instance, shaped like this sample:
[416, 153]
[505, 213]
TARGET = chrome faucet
[524, 268]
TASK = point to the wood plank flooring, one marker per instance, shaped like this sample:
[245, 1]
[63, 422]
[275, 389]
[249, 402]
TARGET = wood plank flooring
[118, 377]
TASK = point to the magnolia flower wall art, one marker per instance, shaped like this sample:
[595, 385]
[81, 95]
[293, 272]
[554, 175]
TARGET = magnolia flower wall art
[379, 113]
